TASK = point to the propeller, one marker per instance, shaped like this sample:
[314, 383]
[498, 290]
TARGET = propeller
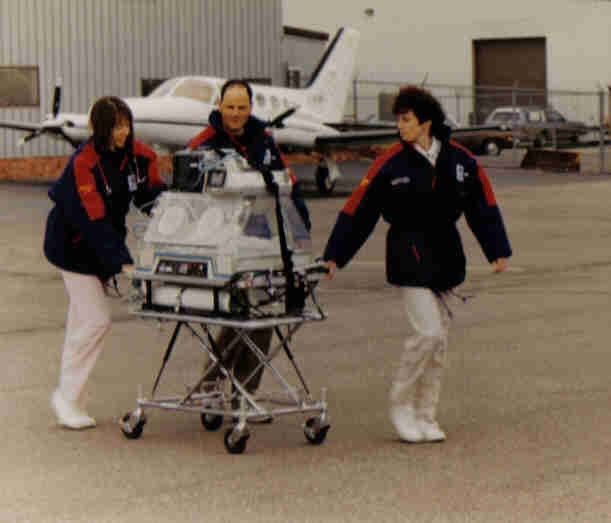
[278, 121]
[52, 128]
[57, 98]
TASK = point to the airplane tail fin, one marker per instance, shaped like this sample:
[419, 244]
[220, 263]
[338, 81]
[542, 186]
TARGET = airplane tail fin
[330, 84]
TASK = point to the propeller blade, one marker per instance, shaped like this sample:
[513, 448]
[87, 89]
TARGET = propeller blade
[278, 121]
[30, 136]
[57, 98]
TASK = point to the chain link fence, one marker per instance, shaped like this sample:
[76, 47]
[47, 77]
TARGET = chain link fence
[555, 119]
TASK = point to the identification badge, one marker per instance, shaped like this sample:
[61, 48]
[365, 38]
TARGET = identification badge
[267, 159]
[132, 184]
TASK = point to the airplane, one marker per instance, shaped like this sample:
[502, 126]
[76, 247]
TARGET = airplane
[300, 118]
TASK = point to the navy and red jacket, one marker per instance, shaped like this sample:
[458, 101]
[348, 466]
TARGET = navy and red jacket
[422, 204]
[257, 145]
[86, 229]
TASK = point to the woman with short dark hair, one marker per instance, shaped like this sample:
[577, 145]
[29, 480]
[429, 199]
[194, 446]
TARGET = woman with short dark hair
[421, 186]
[85, 239]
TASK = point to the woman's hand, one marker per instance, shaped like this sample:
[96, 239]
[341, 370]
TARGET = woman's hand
[331, 268]
[499, 265]
[128, 269]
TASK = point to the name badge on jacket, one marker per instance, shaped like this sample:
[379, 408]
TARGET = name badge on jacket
[132, 183]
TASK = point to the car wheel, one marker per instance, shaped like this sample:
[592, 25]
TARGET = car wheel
[540, 140]
[492, 148]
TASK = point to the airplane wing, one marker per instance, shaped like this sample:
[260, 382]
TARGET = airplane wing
[347, 139]
[20, 126]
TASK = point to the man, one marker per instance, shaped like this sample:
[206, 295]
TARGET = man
[421, 186]
[233, 126]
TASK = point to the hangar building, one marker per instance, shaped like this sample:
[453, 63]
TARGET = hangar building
[123, 47]
[544, 44]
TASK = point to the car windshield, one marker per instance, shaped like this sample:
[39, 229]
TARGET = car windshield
[505, 117]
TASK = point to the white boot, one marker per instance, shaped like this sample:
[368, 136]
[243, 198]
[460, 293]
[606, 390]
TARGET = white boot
[431, 431]
[68, 413]
[405, 423]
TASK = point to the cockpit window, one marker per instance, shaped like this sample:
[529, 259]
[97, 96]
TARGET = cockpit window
[164, 88]
[197, 90]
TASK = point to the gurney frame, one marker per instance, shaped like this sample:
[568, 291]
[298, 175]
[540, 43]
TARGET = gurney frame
[215, 404]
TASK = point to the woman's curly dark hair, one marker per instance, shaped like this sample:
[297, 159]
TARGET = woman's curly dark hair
[424, 105]
[104, 115]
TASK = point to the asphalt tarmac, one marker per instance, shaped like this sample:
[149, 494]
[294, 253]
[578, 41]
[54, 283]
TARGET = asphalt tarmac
[525, 402]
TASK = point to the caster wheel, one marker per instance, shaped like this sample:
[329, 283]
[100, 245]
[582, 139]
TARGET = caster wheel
[235, 447]
[130, 429]
[314, 433]
[212, 422]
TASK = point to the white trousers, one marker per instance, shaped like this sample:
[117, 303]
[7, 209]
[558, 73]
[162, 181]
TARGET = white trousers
[418, 378]
[87, 322]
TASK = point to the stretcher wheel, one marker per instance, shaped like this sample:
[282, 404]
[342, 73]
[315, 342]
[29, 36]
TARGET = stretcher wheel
[314, 433]
[132, 431]
[235, 447]
[212, 422]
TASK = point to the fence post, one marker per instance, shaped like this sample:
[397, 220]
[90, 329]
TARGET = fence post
[457, 96]
[514, 125]
[355, 102]
[601, 120]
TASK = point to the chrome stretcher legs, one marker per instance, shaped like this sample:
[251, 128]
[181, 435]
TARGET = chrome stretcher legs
[223, 395]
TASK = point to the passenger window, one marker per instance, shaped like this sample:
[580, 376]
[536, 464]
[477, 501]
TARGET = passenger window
[260, 100]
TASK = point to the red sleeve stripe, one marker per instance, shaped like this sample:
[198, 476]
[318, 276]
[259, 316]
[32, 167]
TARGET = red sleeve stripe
[141, 149]
[357, 195]
[85, 183]
[481, 174]
[200, 138]
[286, 166]
[486, 185]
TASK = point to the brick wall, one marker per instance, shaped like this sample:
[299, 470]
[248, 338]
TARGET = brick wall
[48, 168]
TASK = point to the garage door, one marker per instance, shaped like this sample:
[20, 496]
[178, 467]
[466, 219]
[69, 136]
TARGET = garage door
[507, 63]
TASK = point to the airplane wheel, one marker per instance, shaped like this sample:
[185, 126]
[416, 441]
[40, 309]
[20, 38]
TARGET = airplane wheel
[323, 181]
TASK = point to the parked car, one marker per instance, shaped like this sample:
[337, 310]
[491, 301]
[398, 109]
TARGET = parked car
[485, 139]
[537, 125]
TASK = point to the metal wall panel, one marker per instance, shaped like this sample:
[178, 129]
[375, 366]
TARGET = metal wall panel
[101, 47]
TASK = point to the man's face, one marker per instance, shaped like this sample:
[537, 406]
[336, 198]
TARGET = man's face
[235, 109]
[410, 128]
